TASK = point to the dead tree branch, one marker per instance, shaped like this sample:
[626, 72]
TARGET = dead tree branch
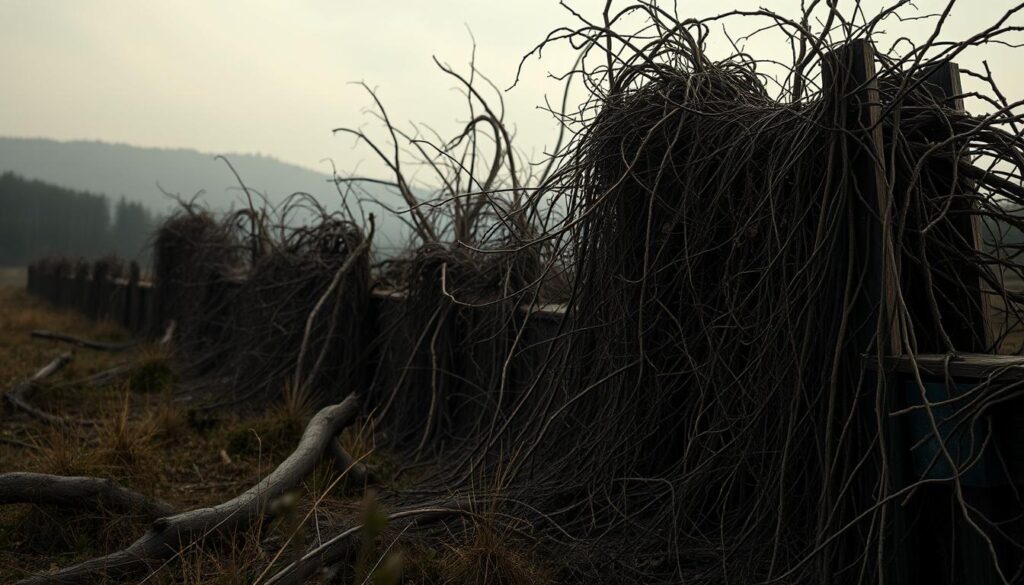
[169, 535]
[358, 472]
[16, 396]
[91, 493]
[80, 342]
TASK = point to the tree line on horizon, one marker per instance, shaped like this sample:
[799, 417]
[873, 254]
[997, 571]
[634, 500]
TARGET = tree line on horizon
[39, 219]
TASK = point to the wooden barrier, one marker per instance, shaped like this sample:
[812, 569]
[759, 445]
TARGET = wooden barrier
[126, 301]
[135, 304]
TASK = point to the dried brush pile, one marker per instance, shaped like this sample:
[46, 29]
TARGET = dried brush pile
[451, 332]
[710, 415]
[260, 310]
[193, 254]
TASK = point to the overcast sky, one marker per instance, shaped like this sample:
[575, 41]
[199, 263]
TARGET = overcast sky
[274, 76]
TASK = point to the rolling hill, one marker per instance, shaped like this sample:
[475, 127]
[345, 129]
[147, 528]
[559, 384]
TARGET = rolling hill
[142, 174]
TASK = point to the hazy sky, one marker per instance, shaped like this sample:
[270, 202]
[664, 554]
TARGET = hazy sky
[273, 76]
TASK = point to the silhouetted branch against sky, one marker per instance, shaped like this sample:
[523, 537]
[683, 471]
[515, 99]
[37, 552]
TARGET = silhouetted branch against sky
[274, 77]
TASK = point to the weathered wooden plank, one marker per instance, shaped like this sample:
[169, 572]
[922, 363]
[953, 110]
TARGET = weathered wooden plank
[851, 83]
[965, 312]
[968, 366]
[542, 310]
[853, 105]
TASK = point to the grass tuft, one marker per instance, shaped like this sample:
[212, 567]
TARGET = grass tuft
[125, 445]
[274, 432]
[488, 557]
[169, 420]
[61, 452]
[151, 372]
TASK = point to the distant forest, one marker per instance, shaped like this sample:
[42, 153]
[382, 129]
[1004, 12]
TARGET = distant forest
[39, 219]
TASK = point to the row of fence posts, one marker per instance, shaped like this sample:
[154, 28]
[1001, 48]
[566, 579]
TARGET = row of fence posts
[98, 294]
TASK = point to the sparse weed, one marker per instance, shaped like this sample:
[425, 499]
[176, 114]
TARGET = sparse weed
[264, 436]
[125, 446]
[489, 557]
[169, 419]
[61, 452]
[235, 562]
[279, 428]
[298, 402]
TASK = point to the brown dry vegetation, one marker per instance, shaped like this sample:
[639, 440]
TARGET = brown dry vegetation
[12, 276]
[155, 445]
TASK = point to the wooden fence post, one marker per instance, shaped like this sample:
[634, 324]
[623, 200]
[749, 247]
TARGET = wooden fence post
[925, 535]
[148, 309]
[964, 311]
[98, 290]
[115, 307]
[61, 285]
[30, 283]
[53, 283]
[850, 90]
[81, 298]
[965, 317]
[131, 298]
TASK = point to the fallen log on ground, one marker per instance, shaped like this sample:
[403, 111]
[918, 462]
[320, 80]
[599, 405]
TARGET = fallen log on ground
[99, 378]
[16, 396]
[89, 493]
[80, 342]
[167, 536]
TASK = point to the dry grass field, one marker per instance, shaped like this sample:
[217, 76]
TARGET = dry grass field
[147, 441]
[14, 276]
